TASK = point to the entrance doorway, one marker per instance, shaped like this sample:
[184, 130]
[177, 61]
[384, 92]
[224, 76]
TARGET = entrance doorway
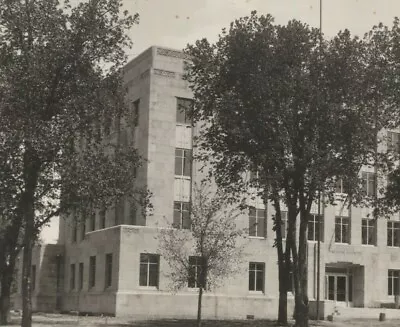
[339, 287]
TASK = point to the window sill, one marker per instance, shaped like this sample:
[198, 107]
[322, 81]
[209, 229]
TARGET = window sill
[258, 237]
[369, 245]
[340, 243]
[149, 288]
[256, 293]
[182, 177]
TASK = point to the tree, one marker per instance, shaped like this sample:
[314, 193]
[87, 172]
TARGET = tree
[302, 111]
[210, 250]
[63, 143]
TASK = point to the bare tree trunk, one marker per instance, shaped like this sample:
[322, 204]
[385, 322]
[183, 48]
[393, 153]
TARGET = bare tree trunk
[301, 311]
[10, 249]
[26, 278]
[31, 170]
[282, 266]
[199, 306]
[6, 281]
[282, 310]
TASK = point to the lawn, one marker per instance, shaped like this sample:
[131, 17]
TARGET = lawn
[48, 320]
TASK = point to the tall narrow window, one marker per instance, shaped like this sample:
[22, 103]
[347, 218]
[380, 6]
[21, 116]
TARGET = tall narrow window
[102, 218]
[393, 142]
[33, 277]
[119, 211]
[108, 270]
[313, 227]
[182, 215]
[133, 213]
[256, 276]
[369, 183]
[74, 231]
[254, 175]
[183, 109]
[197, 267]
[80, 276]
[83, 228]
[393, 233]
[92, 221]
[368, 231]
[342, 230]
[256, 222]
[92, 271]
[136, 112]
[183, 162]
[393, 282]
[72, 276]
[341, 186]
[149, 266]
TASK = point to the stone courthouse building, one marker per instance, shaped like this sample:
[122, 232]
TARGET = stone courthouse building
[110, 264]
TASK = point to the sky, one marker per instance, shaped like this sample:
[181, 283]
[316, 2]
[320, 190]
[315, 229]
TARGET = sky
[175, 23]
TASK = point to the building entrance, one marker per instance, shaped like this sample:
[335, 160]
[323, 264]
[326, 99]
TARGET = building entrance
[339, 287]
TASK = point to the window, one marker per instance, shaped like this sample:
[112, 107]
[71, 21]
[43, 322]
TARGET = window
[33, 277]
[254, 176]
[92, 271]
[102, 218]
[119, 211]
[136, 106]
[183, 162]
[342, 230]
[133, 213]
[108, 270]
[256, 222]
[183, 108]
[149, 269]
[182, 215]
[284, 218]
[256, 276]
[341, 186]
[368, 183]
[72, 276]
[393, 282]
[74, 231]
[197, 267]
[80, 281]
[393, 233]
[92, 221]
[368, 231]
[313, 227]
[83, 229]
[393, 142]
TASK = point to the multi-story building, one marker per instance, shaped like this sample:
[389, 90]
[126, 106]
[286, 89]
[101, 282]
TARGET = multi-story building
[111, 264]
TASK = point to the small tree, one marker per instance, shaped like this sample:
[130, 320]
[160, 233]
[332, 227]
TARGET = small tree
[210, 251]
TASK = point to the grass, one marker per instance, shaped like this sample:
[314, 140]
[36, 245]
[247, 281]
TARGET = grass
[48, 320]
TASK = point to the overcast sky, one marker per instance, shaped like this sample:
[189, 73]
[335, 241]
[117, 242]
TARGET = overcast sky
[175, 23]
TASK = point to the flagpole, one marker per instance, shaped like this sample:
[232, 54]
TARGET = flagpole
[319, 191]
